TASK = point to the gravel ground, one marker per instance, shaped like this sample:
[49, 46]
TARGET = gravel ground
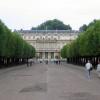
[48, 82]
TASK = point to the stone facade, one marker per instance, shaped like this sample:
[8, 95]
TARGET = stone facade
[48, 43]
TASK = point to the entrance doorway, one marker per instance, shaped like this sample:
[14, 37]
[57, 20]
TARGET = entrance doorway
[52, 55]
[46, 55]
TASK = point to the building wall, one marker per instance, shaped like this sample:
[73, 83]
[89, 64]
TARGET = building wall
[48, 43]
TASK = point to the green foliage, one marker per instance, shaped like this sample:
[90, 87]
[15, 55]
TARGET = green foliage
[87, 43]
[64, 52]
[12, 45]
[83, 28]
[53, 25]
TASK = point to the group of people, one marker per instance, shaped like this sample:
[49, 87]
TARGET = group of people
[57, 61]
[89, 68]
[30, 62]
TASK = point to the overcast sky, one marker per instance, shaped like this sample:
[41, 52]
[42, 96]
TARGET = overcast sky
[17, 14]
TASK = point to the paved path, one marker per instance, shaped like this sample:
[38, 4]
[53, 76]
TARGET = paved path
[48, 82]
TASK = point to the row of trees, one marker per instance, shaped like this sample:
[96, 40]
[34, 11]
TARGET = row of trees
[86, 46]
[13, 49]
[52, 25]
[84, 27]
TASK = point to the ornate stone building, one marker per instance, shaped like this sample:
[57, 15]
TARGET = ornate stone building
[48, 43]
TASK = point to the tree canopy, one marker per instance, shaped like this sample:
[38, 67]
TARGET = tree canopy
[87, 43]
[12, 45]
[84, 27]
[52, 25]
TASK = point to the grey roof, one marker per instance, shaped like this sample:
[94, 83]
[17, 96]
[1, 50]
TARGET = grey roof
[47, 31]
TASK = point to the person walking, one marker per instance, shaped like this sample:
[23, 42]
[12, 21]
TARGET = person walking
[27, 62]
[98, 69]
[88, 67]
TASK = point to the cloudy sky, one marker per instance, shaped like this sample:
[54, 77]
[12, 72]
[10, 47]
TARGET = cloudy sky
[17, 14]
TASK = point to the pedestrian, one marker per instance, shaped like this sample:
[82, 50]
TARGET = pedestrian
[27, 62]
[31, 61]
[46, 61]
[88, 67]
[98, 69]
[59, 61]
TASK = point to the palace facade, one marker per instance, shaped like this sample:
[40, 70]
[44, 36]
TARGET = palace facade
[48, 43]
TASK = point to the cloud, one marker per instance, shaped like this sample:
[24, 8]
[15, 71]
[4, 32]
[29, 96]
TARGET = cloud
[27, 13]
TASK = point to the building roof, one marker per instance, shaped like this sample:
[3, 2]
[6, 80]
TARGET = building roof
[47, 31]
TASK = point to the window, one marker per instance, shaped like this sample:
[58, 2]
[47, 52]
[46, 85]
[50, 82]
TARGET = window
[52, 55]
[46, 55]
[40, 55]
